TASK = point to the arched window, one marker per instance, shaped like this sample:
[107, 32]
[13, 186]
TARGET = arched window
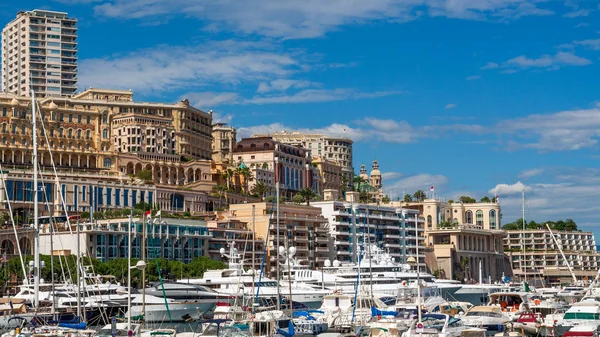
[88, 134]
[105, 133]
[492, 219]
[105, 118]
[469, 217]
[429, 221]
[455, 221]
[479, 216]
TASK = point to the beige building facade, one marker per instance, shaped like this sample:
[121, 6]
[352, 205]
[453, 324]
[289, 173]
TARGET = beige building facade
[104, 136]
[226, 232]
[291, 165]
[535, 255]
[330, 174]
[335, 149]
[301, 226]
[464, 236]
[39, 52]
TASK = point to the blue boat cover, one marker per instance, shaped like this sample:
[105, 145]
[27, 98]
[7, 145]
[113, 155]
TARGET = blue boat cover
[376, 312]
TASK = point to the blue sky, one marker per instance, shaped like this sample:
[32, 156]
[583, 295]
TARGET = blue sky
[475, 97]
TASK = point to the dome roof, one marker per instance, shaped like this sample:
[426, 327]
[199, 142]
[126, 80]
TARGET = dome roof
[53, 106]
[14, 102]
[243, 166]
[375, 173]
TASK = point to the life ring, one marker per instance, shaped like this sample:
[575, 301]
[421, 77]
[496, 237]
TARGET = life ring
[404, 283]
[537, 302]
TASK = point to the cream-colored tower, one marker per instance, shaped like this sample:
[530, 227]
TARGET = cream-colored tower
[375, 178]
[39, 52]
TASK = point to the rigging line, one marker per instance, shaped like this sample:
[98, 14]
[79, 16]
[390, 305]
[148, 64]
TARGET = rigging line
[242, 267]
[52, 223]
[12, 220]
[62, 198]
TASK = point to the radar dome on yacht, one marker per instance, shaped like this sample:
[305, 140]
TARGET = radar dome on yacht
[393, 260]
[281, 250]
[292, 251]
[251, 271]
[222, 251]
[336, 263]
[327, 263]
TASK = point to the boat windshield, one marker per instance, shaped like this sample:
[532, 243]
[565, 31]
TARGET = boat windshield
[483, 314]
[434, 322]
[582, 315]
[108, 333]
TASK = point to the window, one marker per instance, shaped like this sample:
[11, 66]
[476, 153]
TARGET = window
[4, 112]
[105, 133]
[87, 119]
[61, 117]
[105, 119]
[492, 219]
[78, 118]
[87, 134]
[78, 134]
[469, 217]
[70, 132]
[107, 162]
[70, 118]
[479, 215]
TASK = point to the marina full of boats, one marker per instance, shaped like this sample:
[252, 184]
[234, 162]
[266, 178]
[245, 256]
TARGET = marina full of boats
[384, 299]
[376, 296]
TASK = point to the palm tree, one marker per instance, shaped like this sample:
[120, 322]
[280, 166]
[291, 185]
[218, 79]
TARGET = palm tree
[220, 191]
[308, 194]
[408, 198]
[245, 172]
[419, 195]
[260, 189]
[364, 197]
[357, 183]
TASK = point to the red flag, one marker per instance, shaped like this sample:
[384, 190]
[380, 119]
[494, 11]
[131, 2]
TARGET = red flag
[431, 189]
[149, 215]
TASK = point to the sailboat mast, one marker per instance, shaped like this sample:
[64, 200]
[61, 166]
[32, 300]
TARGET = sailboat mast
[277, 178]
[78, 276]
[523, 241]
[36, 229]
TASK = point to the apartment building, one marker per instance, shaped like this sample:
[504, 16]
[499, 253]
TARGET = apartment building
[396, 230]
[290, 165]
[335, 149]
[226, 232]
[39, 52]
[172, 239]
[534, 254]
[463, 236]
[103, 139]
[300, 226]
[330, 175]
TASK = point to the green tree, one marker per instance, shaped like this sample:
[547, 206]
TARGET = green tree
[358, 183]
[308, 194]
[485, 199]
[570, 225]
[143, 206]
[220, 191]
[85, 215]
[244, 172]
[408, 198]
[364, 197]
[467, 200]
[297, 199]
[145, 175]
[386, 200]
[260, 188]
[419, 195]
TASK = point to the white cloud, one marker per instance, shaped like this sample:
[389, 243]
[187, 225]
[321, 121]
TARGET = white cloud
[472, 78]
[171, 67]
[577, 13]
[561, 131]
[220, 118]
[309, 18]
[450, 106]
[530, 173]
[591, 44]
[569, 193]
[387, 176]
[318, 95]
[506, 189]
[209, 100]
[548, 61]
[416, 182]
[582, 24]
[283, 85]
[490, 65]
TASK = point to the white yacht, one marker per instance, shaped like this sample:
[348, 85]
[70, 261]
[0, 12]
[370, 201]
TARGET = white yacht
[377, 268]
[584, 314]
[234, 281]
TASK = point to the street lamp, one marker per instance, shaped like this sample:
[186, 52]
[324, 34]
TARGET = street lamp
[414, 262]
[140, 265]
